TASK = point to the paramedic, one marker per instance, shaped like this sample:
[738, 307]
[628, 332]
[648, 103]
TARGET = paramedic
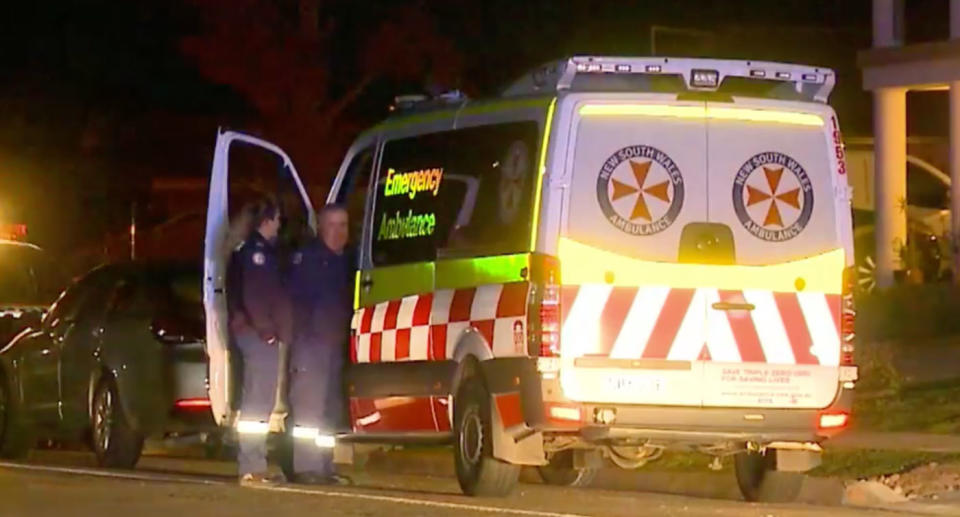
[319, 286]
[260, 317]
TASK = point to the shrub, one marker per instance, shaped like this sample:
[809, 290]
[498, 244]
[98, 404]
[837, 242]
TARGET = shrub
[908, 313]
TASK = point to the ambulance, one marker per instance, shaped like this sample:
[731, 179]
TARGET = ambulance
[614, 258]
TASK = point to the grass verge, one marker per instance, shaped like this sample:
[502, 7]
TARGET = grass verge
[930, 408]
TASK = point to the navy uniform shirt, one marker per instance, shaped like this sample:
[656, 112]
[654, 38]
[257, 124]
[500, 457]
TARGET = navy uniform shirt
[256, 298]
[321, 291]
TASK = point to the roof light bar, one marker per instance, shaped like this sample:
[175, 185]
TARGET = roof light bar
[701, 112]
[696, 73]
[704, 78]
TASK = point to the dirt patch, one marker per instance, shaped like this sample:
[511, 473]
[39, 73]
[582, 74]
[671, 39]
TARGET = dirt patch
[930, 481]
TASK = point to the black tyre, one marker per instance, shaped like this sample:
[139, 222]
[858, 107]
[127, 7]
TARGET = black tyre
[478, 472]
[760, 482]
[560, 471]
[15, 436]
[114, 441]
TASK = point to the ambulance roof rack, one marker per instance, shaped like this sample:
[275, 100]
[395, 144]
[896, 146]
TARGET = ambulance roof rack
[419, 102]
[808, 82]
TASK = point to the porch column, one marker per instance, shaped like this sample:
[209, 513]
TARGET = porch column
[888, 23]
[955, 177]
[954, 19]
[890, 179]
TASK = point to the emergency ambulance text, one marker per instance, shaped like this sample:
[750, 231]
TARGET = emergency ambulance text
[406, 226]
[413, 182]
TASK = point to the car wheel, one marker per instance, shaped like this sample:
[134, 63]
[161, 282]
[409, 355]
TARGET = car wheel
[15, 436]
[115, 443]
[760, 482]
[560, 471]
[478, 472]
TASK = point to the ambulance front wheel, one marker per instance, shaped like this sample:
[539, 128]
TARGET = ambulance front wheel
[759, 481]
[478, 472]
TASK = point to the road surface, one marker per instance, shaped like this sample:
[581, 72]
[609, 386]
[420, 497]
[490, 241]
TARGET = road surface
[60, 484]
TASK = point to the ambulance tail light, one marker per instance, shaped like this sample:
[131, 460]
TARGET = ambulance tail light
[833, 420]
[848, 317]
[544, 321]
[550, 321]
[564, 414]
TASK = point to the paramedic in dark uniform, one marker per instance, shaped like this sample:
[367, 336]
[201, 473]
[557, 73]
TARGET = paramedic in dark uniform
[260, 317]
[320, 289]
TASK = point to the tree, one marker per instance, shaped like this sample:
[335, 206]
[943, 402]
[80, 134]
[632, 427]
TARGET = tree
[283, 58]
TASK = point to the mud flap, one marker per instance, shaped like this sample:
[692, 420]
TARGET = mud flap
[513, 441]
[797, 460]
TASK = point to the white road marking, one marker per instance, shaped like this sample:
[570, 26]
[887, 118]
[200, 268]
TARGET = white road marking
[138, 476]
[142, 476]
[417, 502]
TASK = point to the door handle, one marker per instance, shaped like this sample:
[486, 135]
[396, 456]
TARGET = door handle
[366, 283]
[731, 306]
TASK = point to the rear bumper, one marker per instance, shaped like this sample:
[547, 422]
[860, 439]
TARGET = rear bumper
[693, 425]
[697, 425]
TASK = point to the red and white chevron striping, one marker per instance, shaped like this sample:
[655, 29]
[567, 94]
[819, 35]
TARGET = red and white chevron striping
[428, 326]
[691, 324]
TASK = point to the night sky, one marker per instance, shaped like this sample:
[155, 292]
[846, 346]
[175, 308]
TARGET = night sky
[98, 98]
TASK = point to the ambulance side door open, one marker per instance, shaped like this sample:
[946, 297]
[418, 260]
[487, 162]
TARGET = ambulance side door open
[773, 324]
[224, 384]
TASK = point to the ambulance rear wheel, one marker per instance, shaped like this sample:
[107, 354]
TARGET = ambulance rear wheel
[560, 471]
[478, 472]
[759, 480]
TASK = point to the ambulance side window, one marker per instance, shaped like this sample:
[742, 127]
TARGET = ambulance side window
[405, 220]
[490, 211]
[353, 191]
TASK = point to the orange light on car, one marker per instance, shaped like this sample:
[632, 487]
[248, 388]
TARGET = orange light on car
[192, 403]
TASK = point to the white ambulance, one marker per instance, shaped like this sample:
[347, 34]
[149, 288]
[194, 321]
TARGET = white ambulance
[616, 257]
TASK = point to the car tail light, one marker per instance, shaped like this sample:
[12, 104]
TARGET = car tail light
[848, 318]
[833, 420]
[197, 403]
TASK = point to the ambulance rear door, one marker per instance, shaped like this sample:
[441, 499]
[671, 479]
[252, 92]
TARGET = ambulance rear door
[773, 337]
[636, 169]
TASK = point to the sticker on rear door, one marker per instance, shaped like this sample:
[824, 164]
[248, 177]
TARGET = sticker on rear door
[640, 190]
[773, 197]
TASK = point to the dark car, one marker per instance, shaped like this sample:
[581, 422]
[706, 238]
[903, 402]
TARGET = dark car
[117, 358]
[29, 282]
